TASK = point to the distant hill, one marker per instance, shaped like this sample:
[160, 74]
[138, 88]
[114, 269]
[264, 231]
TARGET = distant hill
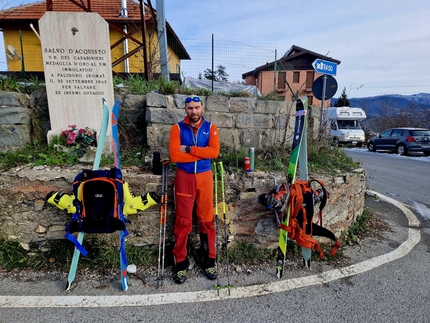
[377, 105]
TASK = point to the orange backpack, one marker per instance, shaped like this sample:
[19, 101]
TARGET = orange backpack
[301, 199]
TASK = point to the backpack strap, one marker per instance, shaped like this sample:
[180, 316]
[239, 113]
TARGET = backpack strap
[301, 227]
[321, 195]
[78, 246]
[295, 203]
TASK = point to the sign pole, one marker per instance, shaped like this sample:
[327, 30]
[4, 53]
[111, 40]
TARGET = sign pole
[325, 68]
[322, 103]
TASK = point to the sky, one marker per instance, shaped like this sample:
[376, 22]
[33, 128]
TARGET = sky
[383, 45]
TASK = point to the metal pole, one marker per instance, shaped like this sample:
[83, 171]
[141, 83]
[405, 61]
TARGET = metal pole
[322, 103]
[145, 49]
[213, 56]
[162, 39]
[22, 56]
[124, 14]
[274, 76]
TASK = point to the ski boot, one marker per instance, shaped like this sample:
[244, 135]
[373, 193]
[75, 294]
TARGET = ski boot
[62, 201]
[134, 203]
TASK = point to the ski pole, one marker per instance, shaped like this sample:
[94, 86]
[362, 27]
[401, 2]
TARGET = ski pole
[160, 237]
[221, 169]
[166, 187]
[216, 224]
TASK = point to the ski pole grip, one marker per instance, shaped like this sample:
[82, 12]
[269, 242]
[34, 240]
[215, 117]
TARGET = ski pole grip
[221, 169]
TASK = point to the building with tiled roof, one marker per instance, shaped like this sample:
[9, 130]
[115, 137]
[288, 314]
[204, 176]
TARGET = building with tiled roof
[16, 24]
[294, 78]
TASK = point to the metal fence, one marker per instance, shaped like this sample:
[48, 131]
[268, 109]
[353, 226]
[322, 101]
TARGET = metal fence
[237, 57]
[206, 53]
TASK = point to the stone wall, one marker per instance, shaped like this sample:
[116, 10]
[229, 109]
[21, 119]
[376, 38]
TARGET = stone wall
[243, 122]
[22, 188]
[15, 120]
[146, 120]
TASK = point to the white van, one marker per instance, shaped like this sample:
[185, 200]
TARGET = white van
[344, 125]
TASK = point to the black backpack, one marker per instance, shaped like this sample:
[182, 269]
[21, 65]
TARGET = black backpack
[99, 202]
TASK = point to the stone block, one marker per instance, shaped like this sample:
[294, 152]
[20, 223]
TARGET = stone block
[221, 120]
[14, 136]
[163, 116]
[158, 136]
[156, 100]
[254, 121]
[268, 107]
[13, 99]
[133, 102]
[217, 103]
[242, 105]
[14, 115]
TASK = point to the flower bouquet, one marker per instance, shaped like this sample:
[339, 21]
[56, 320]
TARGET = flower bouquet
[78, 140]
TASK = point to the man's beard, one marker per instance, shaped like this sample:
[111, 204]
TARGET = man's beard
[195, 118]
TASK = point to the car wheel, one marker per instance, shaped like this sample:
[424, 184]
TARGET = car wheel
[336, 142]
[371, 146]
[402, 150]
[359, 144]
[427, 153]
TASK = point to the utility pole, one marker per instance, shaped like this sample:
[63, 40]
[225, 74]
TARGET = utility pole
[162, 40]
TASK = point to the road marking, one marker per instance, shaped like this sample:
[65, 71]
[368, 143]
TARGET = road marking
[238, 292]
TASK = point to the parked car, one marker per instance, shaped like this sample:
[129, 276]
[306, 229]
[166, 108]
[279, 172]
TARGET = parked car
[402, 141]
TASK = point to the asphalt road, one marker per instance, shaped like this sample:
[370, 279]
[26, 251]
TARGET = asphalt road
[404, 178]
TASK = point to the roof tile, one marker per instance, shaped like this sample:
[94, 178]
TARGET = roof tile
[108, 9]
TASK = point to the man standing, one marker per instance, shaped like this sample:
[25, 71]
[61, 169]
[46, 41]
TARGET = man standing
[193, 143]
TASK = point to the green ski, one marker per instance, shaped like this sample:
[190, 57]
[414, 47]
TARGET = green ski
[299, 134]
[303, 175]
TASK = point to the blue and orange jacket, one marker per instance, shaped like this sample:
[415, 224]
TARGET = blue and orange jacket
[204, 143]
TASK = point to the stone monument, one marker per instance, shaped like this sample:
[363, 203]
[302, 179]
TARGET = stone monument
[78, 73]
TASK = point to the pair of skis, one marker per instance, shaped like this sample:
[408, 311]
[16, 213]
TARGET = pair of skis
[117, 164]
[163, 222]
[298, 157]
[96, 165]
[221, 174]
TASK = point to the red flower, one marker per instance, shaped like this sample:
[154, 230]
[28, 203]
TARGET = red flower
[71, 138]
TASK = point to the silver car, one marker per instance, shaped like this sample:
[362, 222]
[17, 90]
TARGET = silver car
[402, 141]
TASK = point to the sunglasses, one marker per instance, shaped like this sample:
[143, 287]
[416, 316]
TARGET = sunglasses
[195, 99]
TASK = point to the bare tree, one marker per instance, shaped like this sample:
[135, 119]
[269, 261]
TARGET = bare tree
[411, 116]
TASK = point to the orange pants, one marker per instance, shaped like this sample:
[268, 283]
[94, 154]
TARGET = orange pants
[193, 190]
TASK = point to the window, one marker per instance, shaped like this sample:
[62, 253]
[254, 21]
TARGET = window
[420, 132]
[296, 77]
[310, 75]
[310, 100]
[396, 133]
[349, 124]
[281, 80]
[385, 133]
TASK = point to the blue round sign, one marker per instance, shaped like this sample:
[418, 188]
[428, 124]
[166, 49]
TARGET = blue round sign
[330, 87]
